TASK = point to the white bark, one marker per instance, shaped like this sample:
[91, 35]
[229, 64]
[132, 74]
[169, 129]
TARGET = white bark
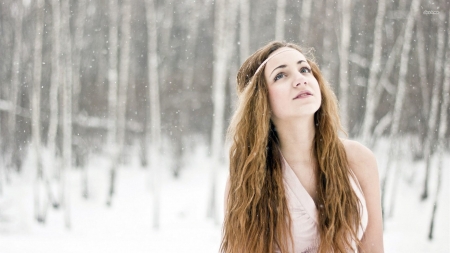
[244, 31]
[371, 103]
[125, 47]
[112, 73]
[55, 80]
[15, 81]
[35, 107]
[78, 46]
[280, 19]
[399, 99]
[442, 129]
[327, 41]
[154, 121]
[434, 110]
[66, 112]
[343, 61]
[223, 39]
[305, 18]
[422, 61]
[113, 12]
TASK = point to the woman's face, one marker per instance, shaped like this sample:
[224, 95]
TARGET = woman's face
[293, 90]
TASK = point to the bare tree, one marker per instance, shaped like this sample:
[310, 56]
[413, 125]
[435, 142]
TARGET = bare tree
[343, 60]
[223, 39]
[66, 112]
[280, 19]
[244, 31]
[442, 128]
[77, 48]
[434, 110]
[39, 203]
[305, 18]
[113, 10]
[400, 96]
[15, 82]
[55, 81]
[372, 96]
[327, 40]
[154, 117]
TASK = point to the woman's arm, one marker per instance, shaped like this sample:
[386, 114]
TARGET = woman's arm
[363, 163]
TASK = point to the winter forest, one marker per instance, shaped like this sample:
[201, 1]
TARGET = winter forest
[113, 114]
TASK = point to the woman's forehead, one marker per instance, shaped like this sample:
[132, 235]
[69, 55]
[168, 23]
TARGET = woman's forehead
[283, 56]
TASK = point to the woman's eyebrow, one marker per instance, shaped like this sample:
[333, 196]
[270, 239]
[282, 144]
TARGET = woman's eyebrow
[284, 66]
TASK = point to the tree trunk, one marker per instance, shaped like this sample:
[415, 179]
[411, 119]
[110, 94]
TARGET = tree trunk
[305, 18]
[424, 87]
[66, 112]
[343, 62]
[371, 104]
[327, 60]
[15, 82]
[280, 19]
[113, 10]
[78, 46]
[35, 106]
[154, 117]
[54, 83]
[442, 128]
[400, 95]
[244, 30]
[223, 39]
[434, 110]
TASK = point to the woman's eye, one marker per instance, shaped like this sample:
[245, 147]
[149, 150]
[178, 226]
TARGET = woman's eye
[278, 76]
[305, 70]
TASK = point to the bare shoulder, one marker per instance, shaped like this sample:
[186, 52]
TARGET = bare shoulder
[363, 163]
[361, 160]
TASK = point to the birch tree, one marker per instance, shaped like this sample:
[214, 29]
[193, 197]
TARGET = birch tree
[39, 201]
[122, 96]
[372, 95]
[54, 82]
[244, 30]
[15, 81]
[434, 110]
[113, 10]
[305, 18]
[400, 95]
[442, 128]
[223, 28]
[327, 56]
[280, 19]
[77, 48]
[154, 117]
[343, 61]
[66, 112]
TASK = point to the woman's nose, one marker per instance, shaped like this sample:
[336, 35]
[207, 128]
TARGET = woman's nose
[299, 80]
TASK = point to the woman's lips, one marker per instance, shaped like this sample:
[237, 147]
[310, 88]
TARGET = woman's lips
[303, 94]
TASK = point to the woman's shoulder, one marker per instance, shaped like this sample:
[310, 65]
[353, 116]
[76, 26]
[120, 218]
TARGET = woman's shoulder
[361, 160]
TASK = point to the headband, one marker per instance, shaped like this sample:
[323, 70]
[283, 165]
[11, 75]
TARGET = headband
[270, 57]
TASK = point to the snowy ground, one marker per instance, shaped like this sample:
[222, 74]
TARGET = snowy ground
[127, 225]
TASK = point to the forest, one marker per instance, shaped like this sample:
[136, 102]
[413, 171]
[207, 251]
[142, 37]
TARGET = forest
[155, 79]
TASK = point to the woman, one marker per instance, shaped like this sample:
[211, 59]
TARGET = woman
[294, 185]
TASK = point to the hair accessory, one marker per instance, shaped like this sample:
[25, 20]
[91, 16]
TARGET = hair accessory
[270, 57]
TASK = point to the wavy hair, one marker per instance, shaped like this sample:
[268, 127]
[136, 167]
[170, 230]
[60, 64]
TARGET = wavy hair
[257, 217]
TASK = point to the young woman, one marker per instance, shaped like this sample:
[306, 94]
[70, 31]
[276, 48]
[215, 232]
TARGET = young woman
[294, 185]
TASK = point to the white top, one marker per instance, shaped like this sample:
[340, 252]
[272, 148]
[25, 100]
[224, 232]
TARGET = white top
[304, 213]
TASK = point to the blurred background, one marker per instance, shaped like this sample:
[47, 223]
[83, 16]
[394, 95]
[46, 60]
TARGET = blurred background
[113, 114]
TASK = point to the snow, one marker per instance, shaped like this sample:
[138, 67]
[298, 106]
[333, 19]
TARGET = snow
[127, 226]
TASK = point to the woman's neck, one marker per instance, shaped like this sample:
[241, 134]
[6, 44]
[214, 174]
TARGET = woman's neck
[296, 138]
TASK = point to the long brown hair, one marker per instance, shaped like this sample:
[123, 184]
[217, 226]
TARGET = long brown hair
[257, 217]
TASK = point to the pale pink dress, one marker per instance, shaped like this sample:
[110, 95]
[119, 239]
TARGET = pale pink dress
[304, 212]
